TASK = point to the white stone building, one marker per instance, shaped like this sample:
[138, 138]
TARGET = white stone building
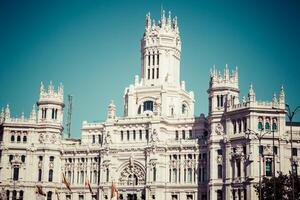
[158, 149]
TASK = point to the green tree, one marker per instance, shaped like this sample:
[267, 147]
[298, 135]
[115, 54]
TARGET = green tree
[283, 187]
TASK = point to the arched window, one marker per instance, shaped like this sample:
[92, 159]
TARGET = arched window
[148, 105]
[260, 125]
[12, 138]
[49, 195]
[122, 135]
[24, 138]
[50, 179]
[21, 195]
[267, 126]
[14, 195]
[23, 158]
[18, 138]
[184, 109]
[154, 173]
[53, 113]
[132, 180]
[274, 124]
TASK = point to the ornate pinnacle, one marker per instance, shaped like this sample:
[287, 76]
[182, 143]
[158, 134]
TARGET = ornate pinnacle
[163, 19]
[274, 99]
[169, 19]
[148, 21]
[42, 88]
[7, 111]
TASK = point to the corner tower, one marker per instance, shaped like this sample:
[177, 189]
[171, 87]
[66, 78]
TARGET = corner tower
[50, 105]
[160, 49]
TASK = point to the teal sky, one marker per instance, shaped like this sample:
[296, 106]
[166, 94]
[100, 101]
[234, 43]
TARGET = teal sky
[93, 48]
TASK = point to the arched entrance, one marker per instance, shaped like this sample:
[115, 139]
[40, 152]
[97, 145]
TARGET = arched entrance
[132, 182]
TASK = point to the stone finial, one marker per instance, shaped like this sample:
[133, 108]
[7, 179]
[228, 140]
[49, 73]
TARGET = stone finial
[33, 113]
[42, 88]
[50, 88]
[60, 89]
[2, 114]
[175, 23]
[148, 21]
[7, 111]
[282, 95]
[274, 98]
[251, 93]
[169, 24]
[226, 73]
[163, 19]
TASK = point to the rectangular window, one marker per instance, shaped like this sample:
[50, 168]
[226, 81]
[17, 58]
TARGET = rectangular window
[176, 135]
[153, 59]
[141, 135]
[157, 73]
[128, 135]
[147, 135]
[122, 136]
[40, 175]
[183, 134]
[152, 73]
[148, 73]
[190, 134]
[157, 59]
[80, 197]
[93, 139]
[238, 166]
[15, 173]
[220, 171]
[219, 152]
[134, 134]
[294, 152]
[148, 60]
[269, 167]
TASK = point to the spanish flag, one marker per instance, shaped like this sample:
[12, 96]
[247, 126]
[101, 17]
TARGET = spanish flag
[88, 184]
[39, 190]
[66, 182]
[114, 192]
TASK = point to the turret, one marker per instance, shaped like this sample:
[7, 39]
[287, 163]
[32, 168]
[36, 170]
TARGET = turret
[50, 104]
[161, 48]
[223, 89]
[111, 113]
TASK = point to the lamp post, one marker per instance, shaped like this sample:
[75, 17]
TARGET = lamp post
[259, 136]
[290, 115]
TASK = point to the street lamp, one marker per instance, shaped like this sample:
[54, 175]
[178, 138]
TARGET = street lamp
[259, 136]
[290, 115]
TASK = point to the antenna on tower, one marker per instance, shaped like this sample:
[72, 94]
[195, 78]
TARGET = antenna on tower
[69, 119]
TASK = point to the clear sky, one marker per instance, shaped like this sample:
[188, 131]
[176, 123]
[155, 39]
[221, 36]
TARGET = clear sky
[93, 48]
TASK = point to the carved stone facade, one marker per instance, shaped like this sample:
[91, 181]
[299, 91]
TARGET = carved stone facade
[158, 149]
